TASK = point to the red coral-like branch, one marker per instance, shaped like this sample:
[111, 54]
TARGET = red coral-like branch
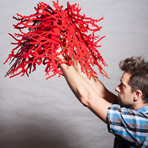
[39, 39]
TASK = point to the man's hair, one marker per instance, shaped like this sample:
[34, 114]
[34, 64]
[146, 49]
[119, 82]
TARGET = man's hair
[139, 74]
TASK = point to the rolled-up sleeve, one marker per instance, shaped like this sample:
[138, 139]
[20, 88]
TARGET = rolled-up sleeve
[129, 124]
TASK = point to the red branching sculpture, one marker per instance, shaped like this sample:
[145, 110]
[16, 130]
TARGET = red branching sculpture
[40, 37]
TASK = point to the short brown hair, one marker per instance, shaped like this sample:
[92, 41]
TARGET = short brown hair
[138, 68]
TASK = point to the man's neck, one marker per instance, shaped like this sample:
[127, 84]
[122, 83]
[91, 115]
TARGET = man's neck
[139, 105]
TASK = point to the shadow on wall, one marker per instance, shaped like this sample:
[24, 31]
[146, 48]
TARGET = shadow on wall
[38, 133]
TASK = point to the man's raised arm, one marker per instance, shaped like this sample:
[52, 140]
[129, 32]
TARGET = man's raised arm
[85, 92]
[97, 85]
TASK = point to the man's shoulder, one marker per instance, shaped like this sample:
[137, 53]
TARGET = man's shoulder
[128, 124]
[117, 107]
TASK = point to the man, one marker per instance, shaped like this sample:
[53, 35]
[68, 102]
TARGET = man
[126, 115]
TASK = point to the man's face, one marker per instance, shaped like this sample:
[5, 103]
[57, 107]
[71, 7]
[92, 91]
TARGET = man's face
[125, 92]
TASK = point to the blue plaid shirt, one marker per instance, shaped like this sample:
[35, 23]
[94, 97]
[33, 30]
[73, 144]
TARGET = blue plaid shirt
[129, 126]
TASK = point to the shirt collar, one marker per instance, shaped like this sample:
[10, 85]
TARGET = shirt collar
[143, 109]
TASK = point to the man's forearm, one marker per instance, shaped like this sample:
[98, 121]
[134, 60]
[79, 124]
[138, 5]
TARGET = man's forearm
[85, 92]
[75, 82]
[96, 84]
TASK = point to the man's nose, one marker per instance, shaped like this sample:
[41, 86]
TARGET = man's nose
[117, 89]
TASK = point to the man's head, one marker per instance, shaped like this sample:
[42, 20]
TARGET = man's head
[134, 81]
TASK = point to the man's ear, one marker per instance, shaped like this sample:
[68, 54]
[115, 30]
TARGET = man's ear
[138, 94]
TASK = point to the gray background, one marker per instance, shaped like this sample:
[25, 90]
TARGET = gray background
[40, 113]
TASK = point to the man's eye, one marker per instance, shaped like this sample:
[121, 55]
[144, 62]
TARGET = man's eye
[122, 85]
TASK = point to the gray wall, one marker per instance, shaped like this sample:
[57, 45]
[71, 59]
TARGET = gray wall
[39, 113]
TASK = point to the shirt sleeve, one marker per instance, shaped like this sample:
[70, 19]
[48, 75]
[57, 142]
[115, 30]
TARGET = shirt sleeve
[129, 124]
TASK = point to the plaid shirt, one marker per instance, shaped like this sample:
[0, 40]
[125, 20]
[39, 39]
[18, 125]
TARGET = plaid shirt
[129, 126]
